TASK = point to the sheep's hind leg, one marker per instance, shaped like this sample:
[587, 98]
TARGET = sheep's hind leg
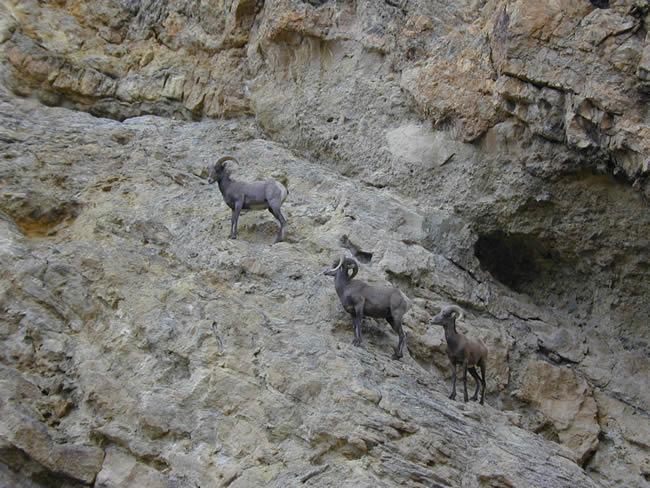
[465, 381]
[278, 215]
[397, 327]
[476, 377]
[482, 366]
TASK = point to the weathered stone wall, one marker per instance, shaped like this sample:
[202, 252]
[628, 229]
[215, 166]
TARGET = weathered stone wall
[489, 154]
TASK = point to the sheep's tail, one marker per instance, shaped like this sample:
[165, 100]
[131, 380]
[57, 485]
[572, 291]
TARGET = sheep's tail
[281, 177]
[284, 180]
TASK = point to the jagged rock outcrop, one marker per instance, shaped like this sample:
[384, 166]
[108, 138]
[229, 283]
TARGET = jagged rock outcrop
[490, 154]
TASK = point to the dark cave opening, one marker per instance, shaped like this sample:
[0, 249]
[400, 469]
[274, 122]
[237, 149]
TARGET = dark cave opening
[513, 259]
[600, 3]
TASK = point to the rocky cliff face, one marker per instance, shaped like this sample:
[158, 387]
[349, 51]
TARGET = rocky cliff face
[490, 154]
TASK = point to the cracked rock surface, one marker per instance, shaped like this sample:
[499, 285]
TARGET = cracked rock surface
[492, 155]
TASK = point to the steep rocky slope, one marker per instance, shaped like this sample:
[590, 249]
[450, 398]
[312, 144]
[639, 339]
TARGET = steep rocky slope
[489, 154]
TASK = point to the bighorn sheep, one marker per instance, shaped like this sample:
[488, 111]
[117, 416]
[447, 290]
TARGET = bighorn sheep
[462, 350]
[257, 195]
[360, 300]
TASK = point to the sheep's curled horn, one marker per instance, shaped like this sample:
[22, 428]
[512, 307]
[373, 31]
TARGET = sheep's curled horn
[339, 264]
[458, 310]
[223, 159]
[355, 265]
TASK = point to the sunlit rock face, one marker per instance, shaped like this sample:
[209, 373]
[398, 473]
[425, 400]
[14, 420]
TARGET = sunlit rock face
[492, 155]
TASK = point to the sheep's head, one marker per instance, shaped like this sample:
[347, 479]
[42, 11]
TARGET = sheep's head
[215, 173]
[346, 264]
[218, 169]
[447, 316]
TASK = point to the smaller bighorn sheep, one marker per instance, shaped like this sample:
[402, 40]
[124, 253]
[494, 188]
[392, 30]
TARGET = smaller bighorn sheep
[361, 300]
[257, 195]
[462, 350]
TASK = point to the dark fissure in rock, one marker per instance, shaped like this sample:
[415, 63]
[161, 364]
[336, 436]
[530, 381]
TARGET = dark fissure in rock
[362, 256]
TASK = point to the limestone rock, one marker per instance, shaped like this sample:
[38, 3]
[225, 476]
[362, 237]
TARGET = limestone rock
[566, 402]
[159, 350]
[493, 155]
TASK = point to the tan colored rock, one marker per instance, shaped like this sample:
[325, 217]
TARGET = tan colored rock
[546, 19]
[643, 70]
[447, 60]
[490, 155]
[76, 461]
[459, 92]
[564, 400]
[122, 470]
[8, 24]
[187, 356]
[624, 445]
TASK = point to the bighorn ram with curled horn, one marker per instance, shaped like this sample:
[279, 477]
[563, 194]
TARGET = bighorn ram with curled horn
[361, 300]
[462, 350]
[240, 195]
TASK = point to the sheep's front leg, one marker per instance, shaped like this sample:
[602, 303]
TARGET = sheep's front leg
[358, 317]
[465, 380]
[235, 218]
[453, 387]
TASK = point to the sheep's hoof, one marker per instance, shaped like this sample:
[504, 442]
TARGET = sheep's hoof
[452, 396]
[232, 237]
[396, 356]
[356, 342]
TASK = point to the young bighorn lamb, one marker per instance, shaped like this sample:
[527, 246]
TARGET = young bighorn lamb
[360, 300]
[258, 195]
[462, 350]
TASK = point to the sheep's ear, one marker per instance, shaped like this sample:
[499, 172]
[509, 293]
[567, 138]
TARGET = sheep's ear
[355, 268]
